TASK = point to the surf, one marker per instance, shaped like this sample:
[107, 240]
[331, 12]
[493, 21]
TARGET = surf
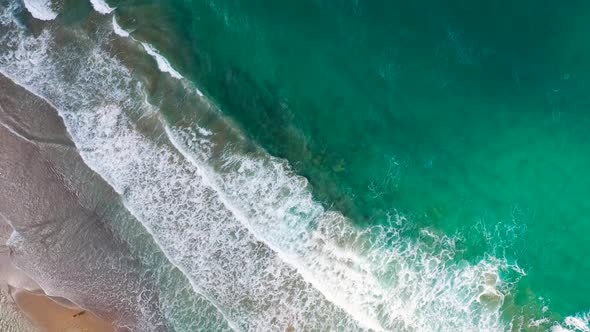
[239, 223]
[40, 9]
[148, 175]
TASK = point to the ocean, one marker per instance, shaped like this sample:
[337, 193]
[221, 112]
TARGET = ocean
[336, 165]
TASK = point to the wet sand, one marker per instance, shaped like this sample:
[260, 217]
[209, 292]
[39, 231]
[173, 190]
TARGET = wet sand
[25, 307]
[52, 317]
[24, 174]
[55, 212]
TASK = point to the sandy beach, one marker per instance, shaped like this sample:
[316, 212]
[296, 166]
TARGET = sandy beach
[24, 174]
[24, 306]
[54, 238]
[50, 316]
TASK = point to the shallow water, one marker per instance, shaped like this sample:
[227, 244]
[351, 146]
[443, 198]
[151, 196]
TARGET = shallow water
[465, 117]
[443, 148]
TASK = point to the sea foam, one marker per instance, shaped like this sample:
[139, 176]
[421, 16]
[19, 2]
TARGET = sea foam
[218, 223]
[101, 6]
[383, 279]
[118, 29]
[162, 62]
[249, 283]
[40, 9]
[245, 229]
[579, 322]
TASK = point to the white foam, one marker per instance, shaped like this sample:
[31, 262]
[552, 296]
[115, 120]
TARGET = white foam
[253, 288]
[101, 6]
[40, 9]
[118, 29]
[212, 222]
[579, 322]
[348, 266]
[216, 214]
[204, 132]
[163, 64]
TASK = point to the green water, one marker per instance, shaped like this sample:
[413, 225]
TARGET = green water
[471, 118]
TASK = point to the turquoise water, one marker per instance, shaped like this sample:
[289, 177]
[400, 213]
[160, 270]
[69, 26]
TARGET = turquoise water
[470, 120]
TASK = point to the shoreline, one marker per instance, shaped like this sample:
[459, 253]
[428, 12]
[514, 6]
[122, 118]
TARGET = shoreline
[25, 307]
[39, 206]
[28, 307]
[50, 316]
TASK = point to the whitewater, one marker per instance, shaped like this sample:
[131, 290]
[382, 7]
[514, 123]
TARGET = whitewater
[243, 228]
